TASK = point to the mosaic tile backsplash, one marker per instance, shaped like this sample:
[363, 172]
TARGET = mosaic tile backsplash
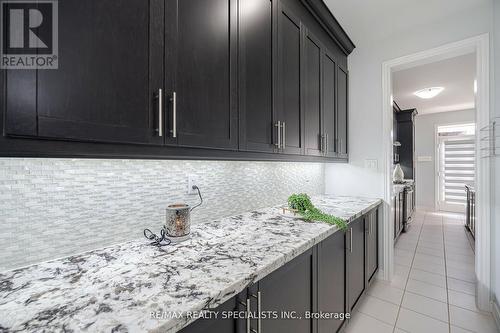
[50, 208]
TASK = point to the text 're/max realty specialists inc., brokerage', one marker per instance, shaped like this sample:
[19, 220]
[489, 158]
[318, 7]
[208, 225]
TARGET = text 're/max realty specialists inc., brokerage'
[208, 314]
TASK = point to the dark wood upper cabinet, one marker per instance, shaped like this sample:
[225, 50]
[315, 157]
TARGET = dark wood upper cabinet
[311, 85]
[218, 79]
[201, 73]
[110, 67]
[329, 104]
[356, 261]
[289, 80]
[256, 110]
[342, 112]
[332, 294]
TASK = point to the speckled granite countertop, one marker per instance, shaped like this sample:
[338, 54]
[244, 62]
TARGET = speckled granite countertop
[115, 289]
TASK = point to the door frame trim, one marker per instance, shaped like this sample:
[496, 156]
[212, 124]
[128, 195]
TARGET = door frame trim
[480, 45]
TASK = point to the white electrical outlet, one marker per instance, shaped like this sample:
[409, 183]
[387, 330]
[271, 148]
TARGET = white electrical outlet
[192, 180]
[371, 164]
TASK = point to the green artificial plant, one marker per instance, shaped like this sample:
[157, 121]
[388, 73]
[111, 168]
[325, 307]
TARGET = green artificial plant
[302, 203]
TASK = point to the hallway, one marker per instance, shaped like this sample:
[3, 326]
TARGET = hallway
[433, 289]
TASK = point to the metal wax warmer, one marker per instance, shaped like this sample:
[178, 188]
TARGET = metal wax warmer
[178, 220]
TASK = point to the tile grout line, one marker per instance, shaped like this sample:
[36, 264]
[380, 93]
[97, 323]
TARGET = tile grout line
[446, 275]
[408, 277]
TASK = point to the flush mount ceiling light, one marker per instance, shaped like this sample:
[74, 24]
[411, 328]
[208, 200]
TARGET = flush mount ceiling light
[428, 92]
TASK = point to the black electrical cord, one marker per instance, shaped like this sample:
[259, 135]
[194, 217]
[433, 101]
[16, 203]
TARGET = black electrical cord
[199, 194]
[157, 241]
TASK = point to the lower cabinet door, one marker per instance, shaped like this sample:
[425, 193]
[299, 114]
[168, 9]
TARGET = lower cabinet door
[371, 244]
[356, 261]
[288, 292]
[219, 324]
[331, 281]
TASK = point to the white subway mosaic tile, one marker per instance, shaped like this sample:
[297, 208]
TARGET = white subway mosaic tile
[51, 208]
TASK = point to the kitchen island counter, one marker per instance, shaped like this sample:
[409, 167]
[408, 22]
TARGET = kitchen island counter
[120, 288]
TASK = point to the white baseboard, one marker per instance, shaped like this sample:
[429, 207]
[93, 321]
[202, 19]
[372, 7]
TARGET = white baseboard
[496, 313]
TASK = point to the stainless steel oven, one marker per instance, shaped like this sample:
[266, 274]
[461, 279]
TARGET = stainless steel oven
[408, 207]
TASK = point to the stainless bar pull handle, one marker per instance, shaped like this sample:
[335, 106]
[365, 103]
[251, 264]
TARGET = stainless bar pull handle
[160, 112]
[174, 115]
[248, 322]
[278, 125]
[322, 143]
[340, 146]
[259, 311]
[326, 144]
[284, 136]
[350, 242]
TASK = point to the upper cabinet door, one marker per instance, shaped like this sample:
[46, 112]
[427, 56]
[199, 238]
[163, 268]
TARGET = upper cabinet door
[256, 26]
[201, 73]
[329, 99]
[311, 85]
[342, 112]
[110, 70]
[289, 81]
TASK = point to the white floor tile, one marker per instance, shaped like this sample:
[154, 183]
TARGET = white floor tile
[455, 329]
[362, 323]
[398, 330]
[377, 308]
[430, 267]
[429, 258]
[460, 264]
[462, 300]
[462, 286]
[418, 323]
[459, 257]
[441, 272]
[404, 261]
[461, 274]
[426, 289]
[428, 277]
[427, 306]
[473, 321]
[386, 292]
[432, 252]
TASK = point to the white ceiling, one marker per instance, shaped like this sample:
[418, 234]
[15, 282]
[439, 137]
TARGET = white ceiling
[367, 21]
[456, 75]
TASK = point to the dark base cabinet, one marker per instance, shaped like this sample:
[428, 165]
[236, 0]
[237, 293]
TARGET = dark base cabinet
[328, 278]
[356, 269]
[221, 325]
[371, 226]
[289, 290]
[398, 213]
[332, 294]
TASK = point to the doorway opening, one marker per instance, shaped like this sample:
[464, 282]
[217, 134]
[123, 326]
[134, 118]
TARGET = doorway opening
[479, 46]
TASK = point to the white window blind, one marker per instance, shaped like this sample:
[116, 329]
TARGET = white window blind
[456, 165]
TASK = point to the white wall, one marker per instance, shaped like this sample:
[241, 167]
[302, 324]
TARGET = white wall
[365, 64]
[425, 145]
[495, 232]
